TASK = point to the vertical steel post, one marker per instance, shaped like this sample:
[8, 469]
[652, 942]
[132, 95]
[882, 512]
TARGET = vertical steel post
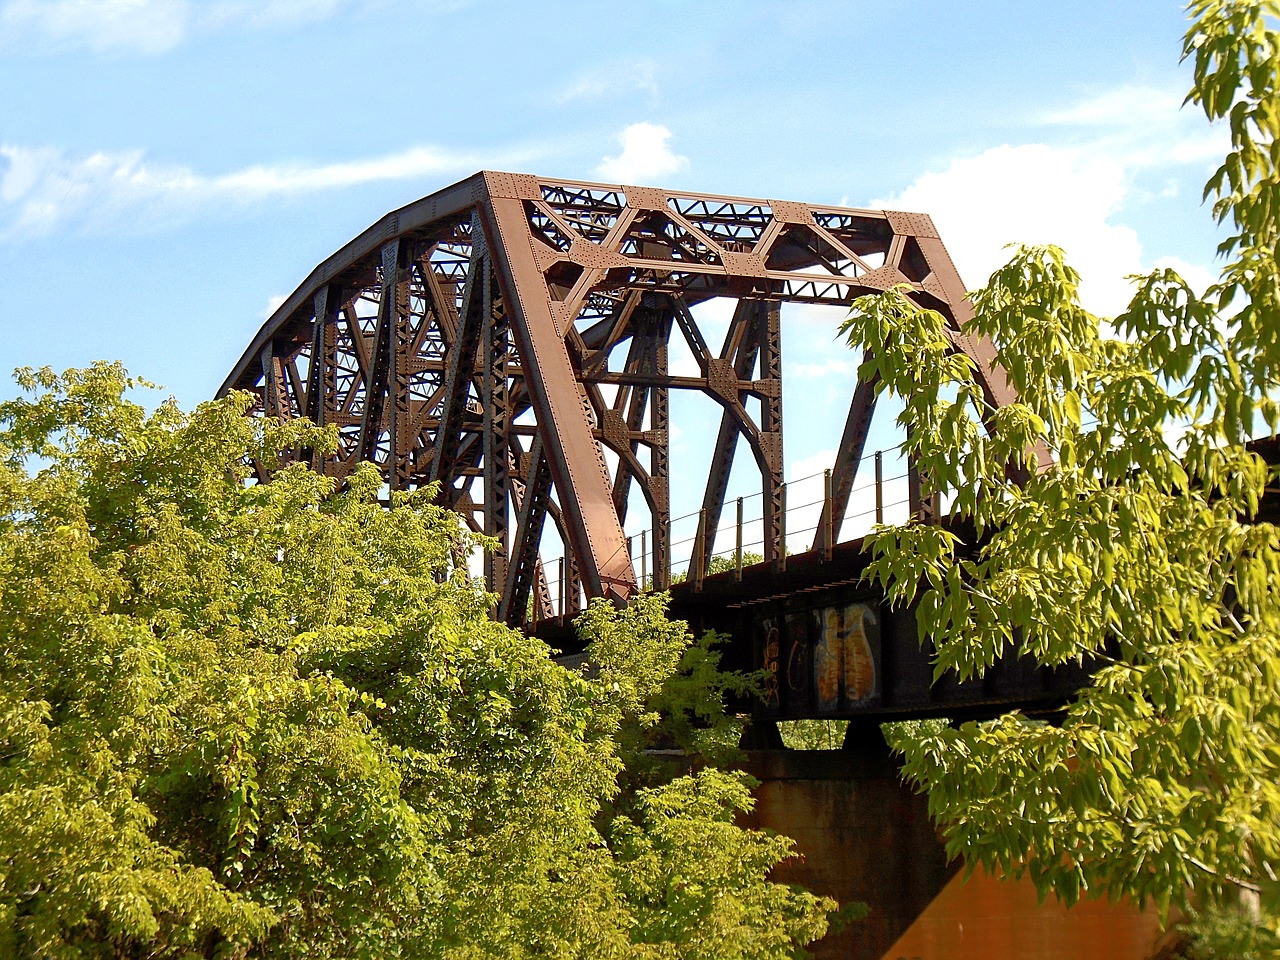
[580, 474]
[659, 321]
[320, 376]
[915, 488]
[400, 378]
[381, 376]
[497, 421]
[698, 564]
[737, 562]
[770, 438]
[644, 561]
[879, 487]
[561, 586]
[826, 515]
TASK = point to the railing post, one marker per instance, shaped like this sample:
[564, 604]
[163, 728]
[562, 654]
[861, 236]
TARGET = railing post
[698, 563]
[915, 486]
[828, 531]
[665, 572]
[737, 562]
[879, 487]
[644, 560]
[561, 589]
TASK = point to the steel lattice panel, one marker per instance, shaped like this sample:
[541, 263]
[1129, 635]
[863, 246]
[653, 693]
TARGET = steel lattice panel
[501, 335]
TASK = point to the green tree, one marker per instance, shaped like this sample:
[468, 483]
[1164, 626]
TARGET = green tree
[1138, 548]
[274, 720]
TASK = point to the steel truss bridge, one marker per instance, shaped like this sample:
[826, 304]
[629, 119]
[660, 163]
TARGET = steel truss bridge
[509, 338]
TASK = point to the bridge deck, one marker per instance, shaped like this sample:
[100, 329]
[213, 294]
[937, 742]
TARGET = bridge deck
[832, 649]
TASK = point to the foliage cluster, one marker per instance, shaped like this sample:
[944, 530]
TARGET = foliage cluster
[274, 720]
[813, 734]
[1138, 548]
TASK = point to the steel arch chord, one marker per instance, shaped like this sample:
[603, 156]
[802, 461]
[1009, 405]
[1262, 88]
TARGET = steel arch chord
[501, 335]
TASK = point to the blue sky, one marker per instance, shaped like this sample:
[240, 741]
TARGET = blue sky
[169, 169]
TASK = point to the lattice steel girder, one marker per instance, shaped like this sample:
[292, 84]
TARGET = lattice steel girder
[489, 312]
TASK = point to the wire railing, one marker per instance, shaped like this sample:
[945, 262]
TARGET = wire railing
[690, 552]
[692, 548]
[809, 524]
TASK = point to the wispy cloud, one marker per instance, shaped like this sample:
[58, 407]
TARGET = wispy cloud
[1124, 106]
[638, 75]
[646, 155]
[149, 27]
[1070, 193]
[43, 191]
[811, 466]
[1141, 127]
[837, 366]
[274, 302]
[133, 26]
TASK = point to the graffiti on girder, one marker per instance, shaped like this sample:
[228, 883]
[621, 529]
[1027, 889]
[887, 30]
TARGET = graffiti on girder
[830, 665]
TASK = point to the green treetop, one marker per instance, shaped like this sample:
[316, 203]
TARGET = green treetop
[1137, 549]
[274, 721]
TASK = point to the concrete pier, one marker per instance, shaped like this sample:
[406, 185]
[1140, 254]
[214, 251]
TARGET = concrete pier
[864, 835]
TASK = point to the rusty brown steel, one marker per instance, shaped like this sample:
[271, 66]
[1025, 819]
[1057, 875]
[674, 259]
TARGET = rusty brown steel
[502, 334]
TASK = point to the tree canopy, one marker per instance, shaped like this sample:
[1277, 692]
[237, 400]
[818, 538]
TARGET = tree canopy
[1138, 548]
[275, 720]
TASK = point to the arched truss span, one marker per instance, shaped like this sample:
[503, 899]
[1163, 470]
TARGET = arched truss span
[499, 335]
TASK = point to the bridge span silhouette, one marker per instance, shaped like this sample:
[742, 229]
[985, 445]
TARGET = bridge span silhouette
[512, 337]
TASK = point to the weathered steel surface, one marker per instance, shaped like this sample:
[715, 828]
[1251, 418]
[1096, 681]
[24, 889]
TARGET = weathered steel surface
[830, 647]
[508, 337]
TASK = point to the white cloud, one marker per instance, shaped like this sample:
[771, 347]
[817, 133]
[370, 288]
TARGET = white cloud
[1143, 127]
[137, 26]
[836, 366]
[1202, 147]
[148, 27]
[612, 79]
[1125, 107]
[818, 315]
[1071, 191]
[1032, 193]
[811, 467]
[681, 362]
[645, 155]
[274, 303]
[271, 13]
[42, 190]
[291, 178]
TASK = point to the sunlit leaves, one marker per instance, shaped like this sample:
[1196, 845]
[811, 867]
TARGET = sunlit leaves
[275, 720]
[692, 821]
[1138, 551]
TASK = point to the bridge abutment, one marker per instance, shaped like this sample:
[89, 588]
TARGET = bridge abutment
[865, 835]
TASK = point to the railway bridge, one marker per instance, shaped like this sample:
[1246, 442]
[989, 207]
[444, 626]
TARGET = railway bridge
[522, 341]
